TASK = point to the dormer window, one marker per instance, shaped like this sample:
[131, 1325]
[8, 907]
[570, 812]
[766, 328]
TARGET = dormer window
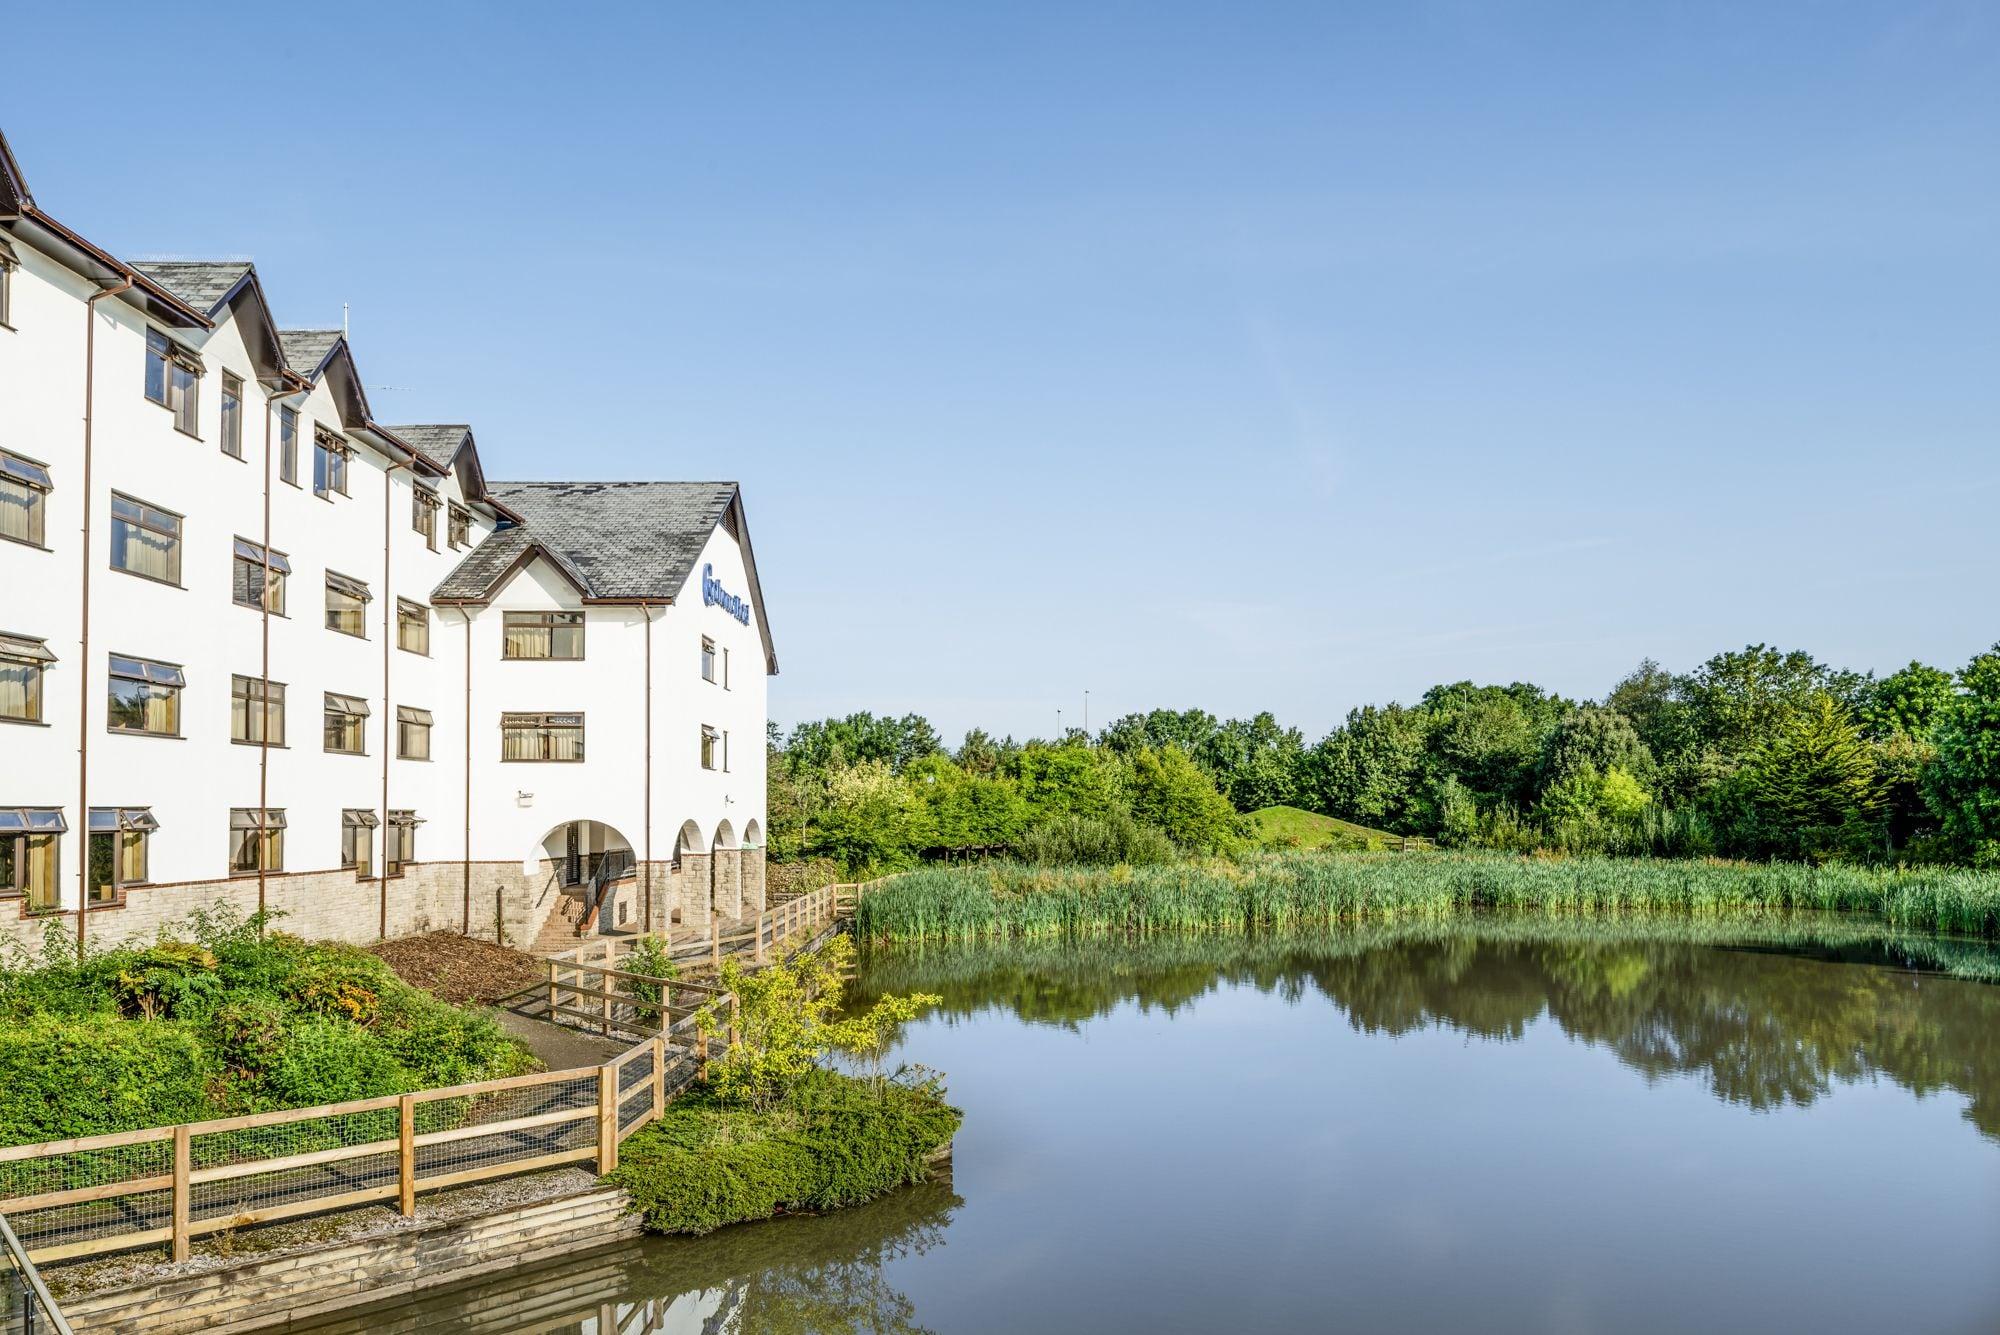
[173, 379]
[461, 526]
[424, 514]
[330, 456]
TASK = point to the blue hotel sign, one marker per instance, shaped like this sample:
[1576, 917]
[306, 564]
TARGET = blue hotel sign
[714, 595]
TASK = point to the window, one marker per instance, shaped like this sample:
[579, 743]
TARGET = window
[256, 711]
[413, 733]
[541, 737]
[23, 659]
[30, 851]
[399, 842]
[357, 840]
[173, 379]
[346, 724]
[24, 494]
[232, 415]
[145, 540]
[346, 605]
[256, 840]
[330, 455]
[259, 577]
[711, 743]
[424, 514]
[707, 659]
[144, 697]
[118, 849]
[288, 445]
[541, 635]
[461, 526]
[725, 668]
[7, 266]
[413, 627]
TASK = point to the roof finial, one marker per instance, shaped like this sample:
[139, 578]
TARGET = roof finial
[343, 319]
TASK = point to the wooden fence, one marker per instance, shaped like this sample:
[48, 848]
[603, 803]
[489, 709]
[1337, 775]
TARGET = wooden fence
[169, 1185]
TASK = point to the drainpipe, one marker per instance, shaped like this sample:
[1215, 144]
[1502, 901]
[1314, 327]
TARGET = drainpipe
[388, 611]
[264, 703]
[465, 869]
[646, 894]
[83, 650]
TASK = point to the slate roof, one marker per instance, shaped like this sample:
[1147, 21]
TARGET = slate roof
[202, 284]
[439, 442]
[305, 349]
[613, 539]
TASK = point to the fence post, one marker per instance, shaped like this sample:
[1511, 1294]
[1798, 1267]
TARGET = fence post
[604, 988]
[406, 1155]
[715, 939]
[552, 989]
[659, 1076]
[607, 1118]
[183, 1164]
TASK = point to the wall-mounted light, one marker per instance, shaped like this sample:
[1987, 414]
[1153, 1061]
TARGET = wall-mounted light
[523, 799]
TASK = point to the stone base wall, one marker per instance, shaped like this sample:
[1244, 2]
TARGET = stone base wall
[276, 1292]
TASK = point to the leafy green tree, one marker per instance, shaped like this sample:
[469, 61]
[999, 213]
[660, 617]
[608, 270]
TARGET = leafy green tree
[1595, 738]
[1963, 785]
[1490, 737]
[1254, 761]
[1369, 769]
[1171, 793]
[871, 819]
[1739, 701]
[1906, 702]
[1189, 729]
[966, 810]
[1071, 780]
[1457, 813]
[1814, 785]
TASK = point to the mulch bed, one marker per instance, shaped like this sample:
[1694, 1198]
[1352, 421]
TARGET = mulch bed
[460, 969]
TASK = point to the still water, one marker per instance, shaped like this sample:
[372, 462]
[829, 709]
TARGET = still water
[1493, 1127]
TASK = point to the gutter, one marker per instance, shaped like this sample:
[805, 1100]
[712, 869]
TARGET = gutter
[83, 640]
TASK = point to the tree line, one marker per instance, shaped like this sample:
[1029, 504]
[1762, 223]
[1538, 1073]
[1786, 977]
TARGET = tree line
[1756, 753]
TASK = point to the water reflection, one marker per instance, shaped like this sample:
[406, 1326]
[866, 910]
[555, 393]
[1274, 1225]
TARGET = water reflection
[1754, 1010]
[808, 1274]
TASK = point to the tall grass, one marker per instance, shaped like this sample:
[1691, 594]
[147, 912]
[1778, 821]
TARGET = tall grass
[1292, 889]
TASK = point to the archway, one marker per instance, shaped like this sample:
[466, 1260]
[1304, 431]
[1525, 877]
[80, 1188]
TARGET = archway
[753, 834]
[590, 869]
[726, 871]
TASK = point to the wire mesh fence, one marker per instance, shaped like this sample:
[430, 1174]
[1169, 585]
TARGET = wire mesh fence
[25, 1305]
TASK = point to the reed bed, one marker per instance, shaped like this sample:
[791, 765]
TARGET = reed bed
[1280, 891]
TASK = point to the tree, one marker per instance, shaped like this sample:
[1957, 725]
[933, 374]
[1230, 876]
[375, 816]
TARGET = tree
[871, 819]
[1962, 786]
[1489, 738]
[1072, 780]
[1370, 769]
[1255, 762]
[1739, 701]
[1906, 702]
[1814, 786]
[966, 810]
[1170, 793]
[1591, 737]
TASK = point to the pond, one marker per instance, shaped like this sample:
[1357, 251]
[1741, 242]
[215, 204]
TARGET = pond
[1499, 1125]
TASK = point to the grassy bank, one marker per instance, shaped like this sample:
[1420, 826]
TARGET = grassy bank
[833, 1141]
[1293, 889]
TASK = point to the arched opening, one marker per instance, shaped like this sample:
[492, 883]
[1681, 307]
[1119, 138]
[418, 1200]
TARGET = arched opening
[590, 869]
[725, 869]
[753, 835]
[690, 841]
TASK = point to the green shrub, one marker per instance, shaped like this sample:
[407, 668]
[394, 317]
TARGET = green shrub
[442, 1044]
[61, 1078]
[324, 1060]
[1096, 841]
[835, 1141]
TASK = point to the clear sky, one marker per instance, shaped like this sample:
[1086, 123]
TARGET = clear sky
[1234, 355]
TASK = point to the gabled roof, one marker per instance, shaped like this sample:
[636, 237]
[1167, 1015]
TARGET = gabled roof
[615, 541]
[307, 350]
[14, 194]
[202, 284]
[438, 443]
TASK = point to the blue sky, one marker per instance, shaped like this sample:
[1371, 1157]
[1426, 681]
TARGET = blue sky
[1242, 356]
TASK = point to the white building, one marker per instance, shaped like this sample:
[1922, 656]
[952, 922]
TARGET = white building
[491, 707]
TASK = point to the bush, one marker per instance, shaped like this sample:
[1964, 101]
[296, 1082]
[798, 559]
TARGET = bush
[1094, 841]
[61, 1078]
[835, 1141]
[323, 1060]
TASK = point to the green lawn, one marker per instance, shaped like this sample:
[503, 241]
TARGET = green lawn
[1289, 827]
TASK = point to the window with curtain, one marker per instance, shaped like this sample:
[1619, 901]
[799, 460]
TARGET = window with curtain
[145, 540]
[30, 855]
[23, 660]
[357, 840]
[7, 267]
[24, 493]
[413, 627]
[173, 379]
[330, 456]
[143, 696]
[256, 840]
[252, 584]
[118, 849]
[346, 724]
[288, 445]
[232, 415]
[399, 842]
[424, 514]
[248, 715]
[711, 741]
[347, 605]
[461, 526]
[541, 635]
[532, 737]
[413, 733]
